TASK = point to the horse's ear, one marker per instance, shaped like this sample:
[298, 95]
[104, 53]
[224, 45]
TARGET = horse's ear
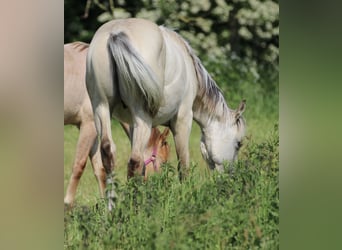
[165, 133]
[240, 109]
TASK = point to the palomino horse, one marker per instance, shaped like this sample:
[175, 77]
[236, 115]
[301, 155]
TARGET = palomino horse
[147, 75]
[78, 112]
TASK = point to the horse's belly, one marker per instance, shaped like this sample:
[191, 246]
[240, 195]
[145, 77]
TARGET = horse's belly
[164, 115]
[72, 116]
[122, 113]
[173, 100]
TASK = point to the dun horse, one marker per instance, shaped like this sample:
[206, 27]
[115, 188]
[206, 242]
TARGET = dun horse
[78, 112]
[147, 75]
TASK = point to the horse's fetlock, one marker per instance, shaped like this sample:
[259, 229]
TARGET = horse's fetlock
[133, 165]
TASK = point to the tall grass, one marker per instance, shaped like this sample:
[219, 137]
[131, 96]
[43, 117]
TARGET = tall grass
[236, 210]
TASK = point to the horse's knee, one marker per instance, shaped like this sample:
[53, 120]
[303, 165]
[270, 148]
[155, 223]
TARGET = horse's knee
[107, 155]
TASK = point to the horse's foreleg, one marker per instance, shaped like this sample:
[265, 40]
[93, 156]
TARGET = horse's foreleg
[181, 129]
[141, 134]
[84, 145]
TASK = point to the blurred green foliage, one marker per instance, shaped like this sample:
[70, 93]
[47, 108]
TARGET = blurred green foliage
[242, 34]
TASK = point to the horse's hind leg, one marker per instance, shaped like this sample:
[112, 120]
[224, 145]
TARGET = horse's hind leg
[96, 162]
[84, 144]
[107, 146]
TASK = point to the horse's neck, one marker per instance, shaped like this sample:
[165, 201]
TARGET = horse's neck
[218, 112]
[201, 118]
[208, 94]
[206, 119]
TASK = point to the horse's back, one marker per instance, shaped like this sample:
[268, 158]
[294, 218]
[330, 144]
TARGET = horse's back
[144, 36]
[142, 33]
[146, 41]
[76, 99]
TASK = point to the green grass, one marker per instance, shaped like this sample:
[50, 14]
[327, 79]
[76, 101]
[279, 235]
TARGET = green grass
[238, 210]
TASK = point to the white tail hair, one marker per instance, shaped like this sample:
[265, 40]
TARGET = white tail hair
[138, 77]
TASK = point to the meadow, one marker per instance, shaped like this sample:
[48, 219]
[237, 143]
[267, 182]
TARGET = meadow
[238, 209]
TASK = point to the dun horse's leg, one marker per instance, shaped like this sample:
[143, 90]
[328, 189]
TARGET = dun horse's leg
[140, 137]
[84, 145]
[99, 171]
[181, 129]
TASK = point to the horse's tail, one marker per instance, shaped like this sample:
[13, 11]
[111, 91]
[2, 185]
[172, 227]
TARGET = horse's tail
[138, 77]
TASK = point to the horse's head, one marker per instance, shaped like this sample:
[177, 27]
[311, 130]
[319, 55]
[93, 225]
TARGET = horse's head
[158, 150]
[221, 140]
[162, 146]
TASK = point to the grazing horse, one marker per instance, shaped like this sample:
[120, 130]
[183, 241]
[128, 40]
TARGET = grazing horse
[147, 75]
[78, 112]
